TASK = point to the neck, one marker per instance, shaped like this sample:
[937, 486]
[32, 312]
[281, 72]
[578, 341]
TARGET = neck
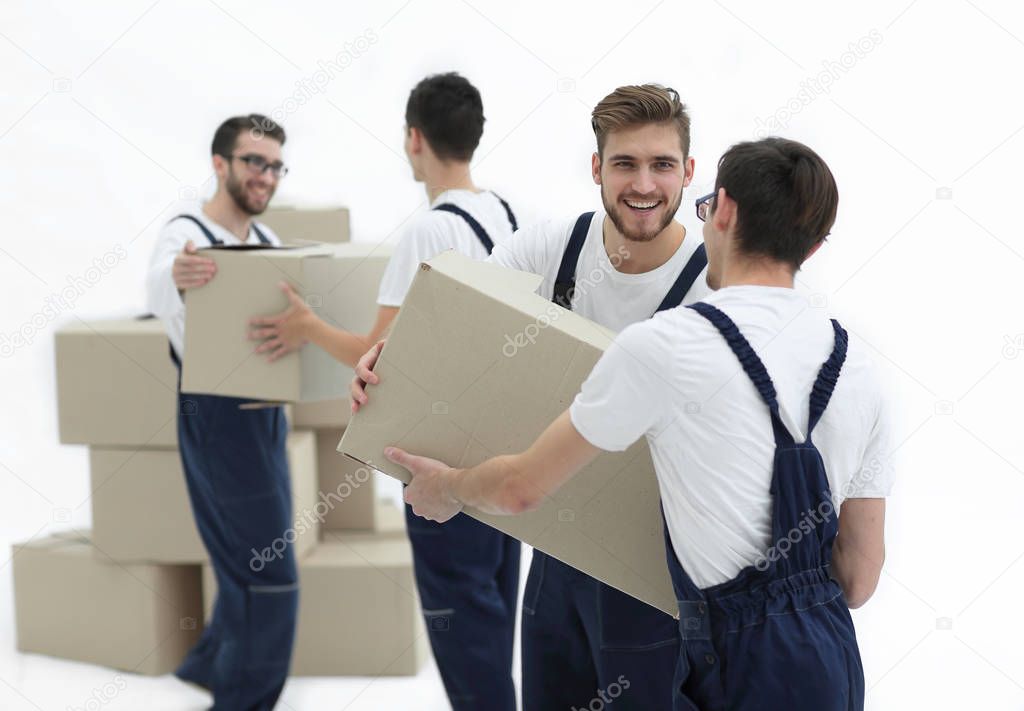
[448, 176]
[756, 272]
[631, 257]
[223, 210]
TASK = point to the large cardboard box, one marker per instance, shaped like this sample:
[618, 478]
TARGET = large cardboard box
[348, 489]
[389, 522]
[141, 509]
[359, 612]
[70, 604]
[478, 365]
[340, 282]
[301, 226]
[322, 414]
[116, 384]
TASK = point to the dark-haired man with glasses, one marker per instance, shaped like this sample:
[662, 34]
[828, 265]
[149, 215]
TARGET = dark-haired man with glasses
[234, 459]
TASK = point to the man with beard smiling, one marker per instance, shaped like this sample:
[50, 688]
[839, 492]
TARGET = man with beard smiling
[234, 459]
[615, 266]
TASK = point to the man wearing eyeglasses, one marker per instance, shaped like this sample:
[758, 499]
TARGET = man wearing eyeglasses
[234, 459]
[584, 640]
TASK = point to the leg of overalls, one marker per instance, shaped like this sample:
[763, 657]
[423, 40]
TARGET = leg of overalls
[237, 474]
[639, 647]
[467, 575]
[558, 651]
[779, 635]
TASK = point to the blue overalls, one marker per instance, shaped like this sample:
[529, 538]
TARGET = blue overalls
[467, 574]
[584, 640]
[236, 469]
[778, 636]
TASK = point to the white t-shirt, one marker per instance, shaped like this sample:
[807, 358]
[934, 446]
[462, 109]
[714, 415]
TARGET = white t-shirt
[603, 294]
[436, 231]
[674, 379]
[162, 296]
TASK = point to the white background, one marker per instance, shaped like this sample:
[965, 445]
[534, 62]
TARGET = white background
[106, 116]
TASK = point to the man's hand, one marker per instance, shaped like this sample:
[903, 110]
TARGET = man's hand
[364, 374]
[191, 271]
[429, 491]
[285, 332]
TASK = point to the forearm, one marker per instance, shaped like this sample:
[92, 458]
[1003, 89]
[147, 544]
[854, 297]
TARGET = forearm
[342, 345]
[493, 486]
[856, 574]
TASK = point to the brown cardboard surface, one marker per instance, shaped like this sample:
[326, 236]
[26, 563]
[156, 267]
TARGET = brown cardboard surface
[71, 604]
[340, 283]
[141, 510]
[348, 489]
[116, 384]
[359, 613]
[322, 414]
[300, 226]
[478, 365]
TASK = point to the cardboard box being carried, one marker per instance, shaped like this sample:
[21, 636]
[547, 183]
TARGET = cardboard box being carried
[116, 384]
[347, 488]
[301, 226]
[478, 365]
[70, 604]
[141, 509]
[339, 282]
[359, 613]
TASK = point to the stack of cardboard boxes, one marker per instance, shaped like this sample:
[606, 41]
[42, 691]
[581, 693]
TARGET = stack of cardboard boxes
[129, 594]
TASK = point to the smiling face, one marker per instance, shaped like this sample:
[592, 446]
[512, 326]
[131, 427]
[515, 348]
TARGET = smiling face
[642, 175]
[250, 190]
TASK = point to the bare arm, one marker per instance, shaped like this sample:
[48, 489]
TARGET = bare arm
[345, 346]
[295, 326]
[504, 485]
[859, 550]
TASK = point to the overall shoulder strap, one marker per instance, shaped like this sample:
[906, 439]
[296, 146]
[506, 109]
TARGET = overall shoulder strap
[508, 211]
[752, 365]
[698, 260]
[199, 223]
[828, 376]
[478, 229]
[565, 282]
[260, 235]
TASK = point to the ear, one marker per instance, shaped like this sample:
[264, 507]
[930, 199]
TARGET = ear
[688, 165]
[595, 168]
[415, 140]
[814, 249]
[724, 215]
[220, 165]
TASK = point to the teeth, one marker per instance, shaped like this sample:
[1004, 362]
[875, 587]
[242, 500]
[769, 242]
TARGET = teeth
[641, 205]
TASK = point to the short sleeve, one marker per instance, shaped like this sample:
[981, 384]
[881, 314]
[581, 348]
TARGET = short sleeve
[421, 242]
[874, 479]
[628, 394]
[530, 249]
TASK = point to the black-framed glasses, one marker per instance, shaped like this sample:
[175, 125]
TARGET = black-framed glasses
[259, 165]
[704, 206]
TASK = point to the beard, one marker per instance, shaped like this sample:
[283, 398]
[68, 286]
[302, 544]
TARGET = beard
[236, 189]
[614, 211]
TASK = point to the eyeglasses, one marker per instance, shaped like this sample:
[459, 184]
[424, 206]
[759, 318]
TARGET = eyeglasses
[259, 165]
[704, 206]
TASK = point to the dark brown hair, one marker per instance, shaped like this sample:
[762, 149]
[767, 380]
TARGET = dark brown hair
[786, 197]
